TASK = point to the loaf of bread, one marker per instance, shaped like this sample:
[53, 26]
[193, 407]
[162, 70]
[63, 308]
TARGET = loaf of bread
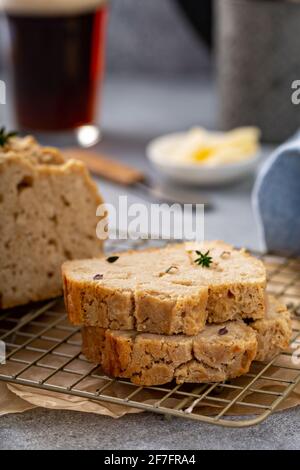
[165, 291]
[218, 353]
[47, 216]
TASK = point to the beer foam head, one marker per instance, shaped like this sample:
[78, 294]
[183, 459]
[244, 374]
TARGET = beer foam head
[49, 7]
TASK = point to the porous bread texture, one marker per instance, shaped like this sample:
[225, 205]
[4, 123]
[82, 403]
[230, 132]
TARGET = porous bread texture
[163, 290]
[156, 307]
[47, 216]
[148, 359]
[236, 283]
[274, 331]
[218, 353]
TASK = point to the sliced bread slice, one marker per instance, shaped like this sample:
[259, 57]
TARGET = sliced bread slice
[218, 353]
[165, 290]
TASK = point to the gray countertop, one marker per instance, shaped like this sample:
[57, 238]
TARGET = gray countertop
[44, 429]
[135, 111]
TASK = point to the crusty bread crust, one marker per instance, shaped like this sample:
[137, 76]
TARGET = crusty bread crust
[218, 353]
[164, 291]
[274, 331]
[47, 216]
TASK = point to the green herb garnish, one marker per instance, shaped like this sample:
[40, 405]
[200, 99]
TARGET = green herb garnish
[203, 259]
[112, 259]
[5, 136]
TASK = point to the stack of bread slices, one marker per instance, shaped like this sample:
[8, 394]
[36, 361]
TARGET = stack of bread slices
[190, 312]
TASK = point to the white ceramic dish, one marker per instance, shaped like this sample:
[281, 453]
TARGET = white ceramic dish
[204, 175]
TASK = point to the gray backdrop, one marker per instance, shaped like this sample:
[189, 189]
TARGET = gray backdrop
[147, 37]
[153, 37]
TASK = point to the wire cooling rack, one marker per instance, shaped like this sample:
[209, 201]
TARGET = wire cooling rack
[44, 351]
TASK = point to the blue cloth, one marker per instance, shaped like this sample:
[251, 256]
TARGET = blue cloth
[276, 199]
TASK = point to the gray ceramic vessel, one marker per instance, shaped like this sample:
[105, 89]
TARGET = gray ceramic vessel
[258, 46]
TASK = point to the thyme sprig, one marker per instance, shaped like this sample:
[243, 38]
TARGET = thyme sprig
[203, 259]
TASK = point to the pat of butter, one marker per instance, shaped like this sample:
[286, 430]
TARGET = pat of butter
[214, 148]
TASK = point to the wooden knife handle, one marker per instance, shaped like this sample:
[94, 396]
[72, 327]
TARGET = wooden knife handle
[105, 167]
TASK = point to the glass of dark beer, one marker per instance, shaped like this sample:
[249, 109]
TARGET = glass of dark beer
[57, 51]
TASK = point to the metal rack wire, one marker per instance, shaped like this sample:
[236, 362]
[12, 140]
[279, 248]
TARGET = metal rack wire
[44, 352]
